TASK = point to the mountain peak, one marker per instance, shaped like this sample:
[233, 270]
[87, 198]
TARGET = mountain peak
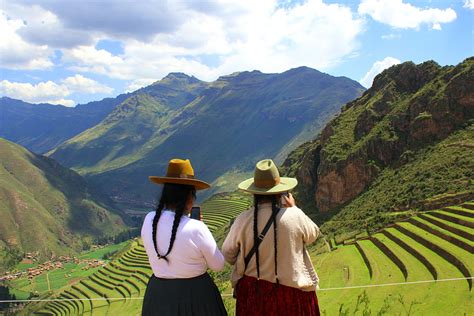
[179, 75]
[301, 70]
[174, 78]
[407, 76]
[240, 76]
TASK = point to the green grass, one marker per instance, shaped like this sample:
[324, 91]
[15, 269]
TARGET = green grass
[444, 268]
[99, 253]
[457, 299]
[219, 212]
[437, 298]
[462, 228]
[463, 255]
[456, 216]
[383, 269]
[441, 230]
[416, 270]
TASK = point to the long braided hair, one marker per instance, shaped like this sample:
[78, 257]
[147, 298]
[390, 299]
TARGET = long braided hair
[173, 196]
[275, 209]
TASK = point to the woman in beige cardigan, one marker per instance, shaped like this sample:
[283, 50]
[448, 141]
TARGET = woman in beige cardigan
[272, 274]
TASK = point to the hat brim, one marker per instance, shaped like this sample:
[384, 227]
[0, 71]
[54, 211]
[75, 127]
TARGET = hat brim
[286, 184]
[198, 184]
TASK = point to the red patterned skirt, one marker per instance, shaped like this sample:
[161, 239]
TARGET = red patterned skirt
[259, 297]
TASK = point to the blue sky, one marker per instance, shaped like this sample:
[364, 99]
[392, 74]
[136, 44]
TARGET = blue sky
[69, 52]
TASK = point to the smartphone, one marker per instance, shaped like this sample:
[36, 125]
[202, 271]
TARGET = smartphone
[196, 213]
[282, 201]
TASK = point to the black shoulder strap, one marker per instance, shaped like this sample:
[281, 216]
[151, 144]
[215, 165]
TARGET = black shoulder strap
[259, 240]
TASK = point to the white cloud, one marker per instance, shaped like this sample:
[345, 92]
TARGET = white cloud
[15, 52]
[242, 35]
[81, 84]
[404, 15]
[51, 92]
[65, 102]
[469, 4]
[235, 35]
[377, 68]
[42, 92]
[139, 83]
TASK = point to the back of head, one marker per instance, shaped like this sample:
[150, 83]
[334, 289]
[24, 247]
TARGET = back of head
[175, 197]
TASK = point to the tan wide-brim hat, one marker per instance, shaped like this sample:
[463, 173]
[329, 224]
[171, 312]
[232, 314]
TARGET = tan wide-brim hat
[180, 172]
[266, 180]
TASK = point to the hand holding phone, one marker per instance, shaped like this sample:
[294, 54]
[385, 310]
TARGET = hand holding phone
[287, 200]
[196, 213]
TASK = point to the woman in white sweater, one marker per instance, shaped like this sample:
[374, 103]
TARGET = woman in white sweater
[273, 273]
[180, 250]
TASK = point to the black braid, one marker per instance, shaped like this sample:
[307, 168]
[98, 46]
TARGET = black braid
[275, 210]
[173, 196]
[155, 224]
[255, 233]
[177, 217]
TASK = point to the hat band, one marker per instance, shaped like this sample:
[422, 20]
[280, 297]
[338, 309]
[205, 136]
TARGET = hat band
[266, 183]
[182, 175]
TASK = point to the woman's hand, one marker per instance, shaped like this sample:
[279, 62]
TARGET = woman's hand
[289, 200]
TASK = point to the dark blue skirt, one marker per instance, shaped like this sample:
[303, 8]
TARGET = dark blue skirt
[193, 296]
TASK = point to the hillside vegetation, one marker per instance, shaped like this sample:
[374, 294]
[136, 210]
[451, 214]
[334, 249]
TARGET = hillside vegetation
[405, 141]
[46, 207]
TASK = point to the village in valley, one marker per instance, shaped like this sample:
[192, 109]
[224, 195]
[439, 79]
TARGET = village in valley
[55, 263]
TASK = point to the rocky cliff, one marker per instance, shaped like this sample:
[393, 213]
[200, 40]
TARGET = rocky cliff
[408, 108]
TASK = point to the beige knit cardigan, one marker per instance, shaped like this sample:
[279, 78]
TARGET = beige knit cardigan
[294, 230]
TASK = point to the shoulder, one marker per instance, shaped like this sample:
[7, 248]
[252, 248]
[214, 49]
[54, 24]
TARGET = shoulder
[148, 220]
[149, 216]
[295, 214]
[295, 210]
[244, 216]
[147, 224]
[194, 227]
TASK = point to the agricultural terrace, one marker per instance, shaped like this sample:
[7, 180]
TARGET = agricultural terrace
[435, 245]
[401, 269]
[218, 213]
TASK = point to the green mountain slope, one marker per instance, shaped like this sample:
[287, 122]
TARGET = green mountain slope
[41, 127]
[230, 124]
[46, 207]
[407, 140]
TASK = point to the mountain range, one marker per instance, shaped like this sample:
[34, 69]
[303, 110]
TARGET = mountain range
[405, 143]
[112, 146]
[42, 127]
[224, 127]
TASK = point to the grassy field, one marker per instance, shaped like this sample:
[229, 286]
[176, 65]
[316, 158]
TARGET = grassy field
[337, 269]
[403, 274]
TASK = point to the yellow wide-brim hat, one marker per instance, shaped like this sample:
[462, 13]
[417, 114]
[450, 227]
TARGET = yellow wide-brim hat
[266, 180]
[180, 172]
